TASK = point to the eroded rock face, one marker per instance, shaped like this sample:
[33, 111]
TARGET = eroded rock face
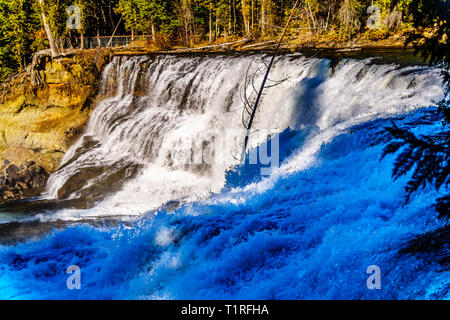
[25, 181]
[39, 123]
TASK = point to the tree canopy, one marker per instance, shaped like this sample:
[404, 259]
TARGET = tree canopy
[191, 21]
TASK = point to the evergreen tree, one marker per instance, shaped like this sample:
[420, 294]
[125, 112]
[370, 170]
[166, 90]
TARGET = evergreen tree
[8, 63]
[19, 26]
[28, 24]
[427, 156]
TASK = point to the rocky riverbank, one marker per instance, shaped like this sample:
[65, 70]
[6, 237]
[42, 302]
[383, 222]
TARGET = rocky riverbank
[42, 111]
[21, 182]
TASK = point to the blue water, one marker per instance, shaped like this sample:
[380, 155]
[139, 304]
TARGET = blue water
[311, 236]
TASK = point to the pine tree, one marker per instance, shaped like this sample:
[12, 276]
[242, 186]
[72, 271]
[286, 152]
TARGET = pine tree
[427, 156]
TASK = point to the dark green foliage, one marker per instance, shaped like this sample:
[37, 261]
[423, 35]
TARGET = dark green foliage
[19, 25]
[433, 44]
[185, 22]
[435, 15]
[427, 156]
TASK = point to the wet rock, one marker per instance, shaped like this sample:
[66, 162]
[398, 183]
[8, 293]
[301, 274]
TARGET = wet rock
[16, 183]
[78, 181]
[21, 186]
[40, 120]
[8, 195]
[12, 172]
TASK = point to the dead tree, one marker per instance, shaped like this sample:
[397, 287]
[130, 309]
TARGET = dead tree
[48, 31]
[250, 102]
[249, 97]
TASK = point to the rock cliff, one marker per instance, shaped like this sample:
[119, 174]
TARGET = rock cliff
[39, 120]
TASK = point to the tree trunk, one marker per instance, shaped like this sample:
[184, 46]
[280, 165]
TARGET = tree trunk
[263, 18]
[186, 27]
[114, 32]
[82, 40]
[217, 25]
[230, 5]
[253, 15]
[328, 17]
[245, 15]
[48, 31]
[210, 23]
[234, 17]
[228, 44]
[254, 108]
[266, 16]
[69, 39]
[312, 17]
[153, 32]
[99, 42]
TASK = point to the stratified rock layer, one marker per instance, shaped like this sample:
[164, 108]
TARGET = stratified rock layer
[38, 123]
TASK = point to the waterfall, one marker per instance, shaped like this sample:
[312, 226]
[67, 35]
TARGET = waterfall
[157, 114]
[185, 227]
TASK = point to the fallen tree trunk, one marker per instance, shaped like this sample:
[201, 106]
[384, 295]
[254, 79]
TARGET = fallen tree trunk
[270, 43]
[214, 46]
[260, 44]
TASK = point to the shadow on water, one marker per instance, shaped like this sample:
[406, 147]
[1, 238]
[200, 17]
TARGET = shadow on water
[29, 212]
[39, 206]
[14, 233]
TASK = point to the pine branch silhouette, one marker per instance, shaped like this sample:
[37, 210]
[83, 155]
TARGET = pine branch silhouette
[426, 156]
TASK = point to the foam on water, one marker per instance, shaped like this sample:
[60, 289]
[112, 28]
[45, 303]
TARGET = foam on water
[311, 236]
[156, 109]
[309, 230]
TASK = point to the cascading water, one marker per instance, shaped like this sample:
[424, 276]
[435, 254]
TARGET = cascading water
[309, 229]
[158, 112]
